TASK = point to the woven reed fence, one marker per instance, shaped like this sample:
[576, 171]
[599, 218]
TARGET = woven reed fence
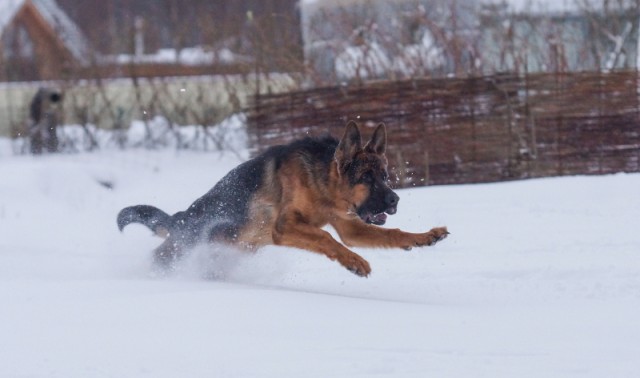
[470, 130]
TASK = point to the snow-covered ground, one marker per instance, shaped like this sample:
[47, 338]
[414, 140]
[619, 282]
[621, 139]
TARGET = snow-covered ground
[539, 278]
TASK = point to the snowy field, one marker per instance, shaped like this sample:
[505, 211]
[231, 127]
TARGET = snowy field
[539, 278]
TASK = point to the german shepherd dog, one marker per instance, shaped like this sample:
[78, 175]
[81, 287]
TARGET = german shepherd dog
[286, 195]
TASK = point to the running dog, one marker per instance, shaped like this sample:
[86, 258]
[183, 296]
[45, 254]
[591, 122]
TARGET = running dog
[286, 195]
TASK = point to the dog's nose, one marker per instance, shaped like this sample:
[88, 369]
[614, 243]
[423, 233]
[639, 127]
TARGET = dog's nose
[392, 199]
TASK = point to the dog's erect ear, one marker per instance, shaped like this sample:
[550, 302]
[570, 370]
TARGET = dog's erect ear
[349, 145]
[378, 142]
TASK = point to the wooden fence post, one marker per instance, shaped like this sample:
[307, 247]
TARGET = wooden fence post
[426, 167]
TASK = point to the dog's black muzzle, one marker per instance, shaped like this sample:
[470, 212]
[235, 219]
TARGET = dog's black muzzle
[379, 217]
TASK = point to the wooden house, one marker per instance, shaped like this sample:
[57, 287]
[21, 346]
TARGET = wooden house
[38, 41]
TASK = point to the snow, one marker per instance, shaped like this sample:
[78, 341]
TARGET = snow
[539, 278]
[8, 9]
[191, 56]
[229, 135]
[518, 6]
[362, 62]
[417, 58]
[550, 6]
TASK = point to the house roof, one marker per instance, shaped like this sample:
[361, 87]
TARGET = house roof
[65, 29]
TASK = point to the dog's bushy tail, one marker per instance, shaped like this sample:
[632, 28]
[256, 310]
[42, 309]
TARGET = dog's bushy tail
[152, 217]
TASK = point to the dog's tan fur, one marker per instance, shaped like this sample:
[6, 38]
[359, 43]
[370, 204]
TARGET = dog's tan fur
[298, 195]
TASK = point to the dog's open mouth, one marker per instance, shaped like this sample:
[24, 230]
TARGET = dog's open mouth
[380, 218]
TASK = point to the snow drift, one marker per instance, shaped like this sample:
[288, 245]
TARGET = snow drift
[538, 278]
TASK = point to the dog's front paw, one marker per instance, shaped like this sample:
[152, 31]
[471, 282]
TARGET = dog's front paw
[428, 238]
[438, 234]
[355, 264]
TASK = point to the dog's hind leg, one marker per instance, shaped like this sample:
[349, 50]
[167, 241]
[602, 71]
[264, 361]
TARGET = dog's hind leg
[168, 252]
[223, 231]
[179, 242]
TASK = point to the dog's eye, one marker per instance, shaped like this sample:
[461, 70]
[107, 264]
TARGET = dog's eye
[385, 176]
[367, 177]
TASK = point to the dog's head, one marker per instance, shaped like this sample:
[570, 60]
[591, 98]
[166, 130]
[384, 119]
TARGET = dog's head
[363, 170]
